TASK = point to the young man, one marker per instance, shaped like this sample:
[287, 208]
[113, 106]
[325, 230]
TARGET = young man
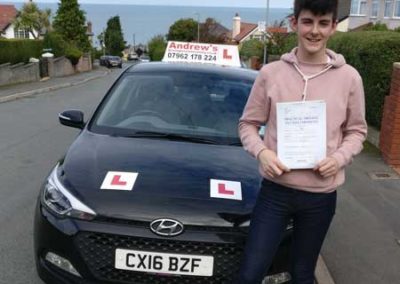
[312, 103]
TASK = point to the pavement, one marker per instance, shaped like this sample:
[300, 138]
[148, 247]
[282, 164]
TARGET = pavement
[371, 185]
[18, 91]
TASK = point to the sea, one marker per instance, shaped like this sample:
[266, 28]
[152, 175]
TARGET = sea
[140, 23]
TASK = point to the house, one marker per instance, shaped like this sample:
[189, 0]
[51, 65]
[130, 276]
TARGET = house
[8, 13]
[363, 12]
[242, 31]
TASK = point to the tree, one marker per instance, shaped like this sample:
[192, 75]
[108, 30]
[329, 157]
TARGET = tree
[276, 41]
[70, 23]
[252, 47]
[32, 19]
[56, 43]
[113, 37]
[183, 30]
[157, 46]
[212, 32]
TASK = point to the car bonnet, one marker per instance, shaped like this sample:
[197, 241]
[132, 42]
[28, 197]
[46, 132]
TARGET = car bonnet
[189, 181]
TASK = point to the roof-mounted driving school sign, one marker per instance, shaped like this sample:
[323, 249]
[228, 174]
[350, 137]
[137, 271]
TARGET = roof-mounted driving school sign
[193, 52]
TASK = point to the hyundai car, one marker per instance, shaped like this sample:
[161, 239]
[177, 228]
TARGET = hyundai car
[156, 188]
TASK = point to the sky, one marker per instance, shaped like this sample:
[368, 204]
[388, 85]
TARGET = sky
[221, 3]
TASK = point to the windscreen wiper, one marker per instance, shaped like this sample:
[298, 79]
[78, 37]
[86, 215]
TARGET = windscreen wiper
[171, 136]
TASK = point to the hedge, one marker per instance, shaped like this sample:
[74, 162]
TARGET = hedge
[16, 51]
[372, 53]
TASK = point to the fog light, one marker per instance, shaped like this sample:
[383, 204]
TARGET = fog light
[62, 263]
[277, 278]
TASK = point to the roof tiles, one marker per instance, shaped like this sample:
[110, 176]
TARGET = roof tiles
[7, 15]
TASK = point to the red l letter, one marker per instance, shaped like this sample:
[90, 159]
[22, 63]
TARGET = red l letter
[223, 190]
[116, 181]
[226, 55]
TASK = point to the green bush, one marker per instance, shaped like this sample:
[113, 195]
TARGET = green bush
[372, 53]
[16, 51]
[157, 46]
[252, 47]
[73, 54]
[96, 53]
[289, 43]
[377, 27]
[57, 44]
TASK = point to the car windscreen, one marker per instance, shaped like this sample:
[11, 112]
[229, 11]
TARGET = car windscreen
[185, 104]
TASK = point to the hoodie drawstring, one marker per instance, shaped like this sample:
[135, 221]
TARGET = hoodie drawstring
[309, 77]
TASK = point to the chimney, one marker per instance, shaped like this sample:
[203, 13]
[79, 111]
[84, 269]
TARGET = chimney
[89, 27]
[236, 26]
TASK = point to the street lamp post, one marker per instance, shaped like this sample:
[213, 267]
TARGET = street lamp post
[266, 32]
[133, 41]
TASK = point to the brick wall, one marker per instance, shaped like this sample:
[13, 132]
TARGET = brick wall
[389, 143]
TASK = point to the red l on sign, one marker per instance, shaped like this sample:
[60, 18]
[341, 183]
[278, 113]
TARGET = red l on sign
[226, 55]
[117, 180]
[223, 190]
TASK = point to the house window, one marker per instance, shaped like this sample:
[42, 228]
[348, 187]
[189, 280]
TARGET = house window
[375, 8]
[21, 33]
[397, 8]
[388, 8]
[359, 7]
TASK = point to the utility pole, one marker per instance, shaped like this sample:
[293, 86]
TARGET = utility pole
[266, 32]
[198, 26]
[133, 41]
[104, 42]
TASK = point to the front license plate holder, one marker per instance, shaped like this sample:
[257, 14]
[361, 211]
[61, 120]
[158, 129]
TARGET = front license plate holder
[165, 263]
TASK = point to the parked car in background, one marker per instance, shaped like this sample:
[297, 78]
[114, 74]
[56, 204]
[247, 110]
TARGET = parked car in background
[133, 56]
[102, 60]
[113, 61]
[144, 58]
[110, 61]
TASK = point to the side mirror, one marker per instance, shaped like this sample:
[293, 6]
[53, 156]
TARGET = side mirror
[72, 118]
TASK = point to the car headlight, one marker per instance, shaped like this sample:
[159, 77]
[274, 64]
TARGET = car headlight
[60, 201]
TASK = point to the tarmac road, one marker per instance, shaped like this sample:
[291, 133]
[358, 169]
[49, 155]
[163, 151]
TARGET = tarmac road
[31, 141]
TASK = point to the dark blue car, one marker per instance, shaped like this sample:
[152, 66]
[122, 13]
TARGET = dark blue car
[157, 187]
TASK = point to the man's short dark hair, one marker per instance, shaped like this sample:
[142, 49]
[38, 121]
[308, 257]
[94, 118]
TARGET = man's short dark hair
[317, 7]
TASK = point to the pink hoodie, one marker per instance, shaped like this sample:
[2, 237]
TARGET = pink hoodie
[337, 83]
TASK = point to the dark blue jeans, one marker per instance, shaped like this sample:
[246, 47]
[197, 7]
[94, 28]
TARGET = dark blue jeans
[312, 214]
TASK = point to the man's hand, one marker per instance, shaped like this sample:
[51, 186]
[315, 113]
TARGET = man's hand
[327, 167]
[270, 163]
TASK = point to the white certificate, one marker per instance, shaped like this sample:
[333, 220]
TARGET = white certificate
[301, 130]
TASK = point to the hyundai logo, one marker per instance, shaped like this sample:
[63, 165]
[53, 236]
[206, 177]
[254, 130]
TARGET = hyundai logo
[166, 227]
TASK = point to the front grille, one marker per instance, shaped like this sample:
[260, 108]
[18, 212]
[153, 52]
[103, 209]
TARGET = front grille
[98, 251]
[144, 224]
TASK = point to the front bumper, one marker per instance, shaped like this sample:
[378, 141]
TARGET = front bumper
[90, 247]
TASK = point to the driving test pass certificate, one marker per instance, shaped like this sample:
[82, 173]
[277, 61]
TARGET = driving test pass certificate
[301, 128]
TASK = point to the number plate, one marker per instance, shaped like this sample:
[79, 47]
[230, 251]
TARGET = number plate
[181, 264]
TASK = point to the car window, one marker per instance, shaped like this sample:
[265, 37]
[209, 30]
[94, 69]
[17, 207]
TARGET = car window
[190, 104]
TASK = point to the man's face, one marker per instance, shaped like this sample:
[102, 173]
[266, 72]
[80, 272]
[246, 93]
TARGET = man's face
[313, 32]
